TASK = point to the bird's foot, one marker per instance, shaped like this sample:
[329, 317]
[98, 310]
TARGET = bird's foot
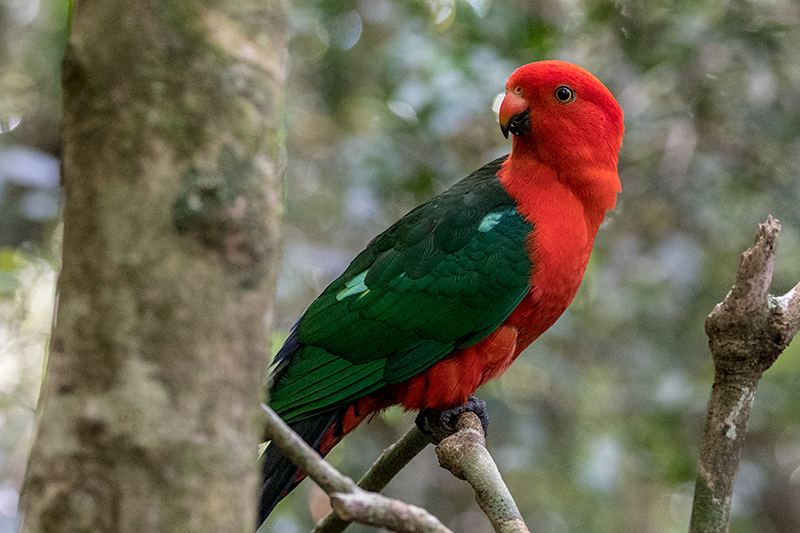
[442, 424]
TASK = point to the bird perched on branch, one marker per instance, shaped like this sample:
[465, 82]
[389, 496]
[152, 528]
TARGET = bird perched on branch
[447, 297]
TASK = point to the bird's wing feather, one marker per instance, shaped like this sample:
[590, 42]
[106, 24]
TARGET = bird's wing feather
[441, 278]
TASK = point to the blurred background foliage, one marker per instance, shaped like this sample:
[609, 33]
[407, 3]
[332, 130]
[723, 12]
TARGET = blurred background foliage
[597, 426]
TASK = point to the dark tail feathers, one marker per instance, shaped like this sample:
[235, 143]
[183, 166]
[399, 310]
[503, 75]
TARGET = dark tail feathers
[279, 475]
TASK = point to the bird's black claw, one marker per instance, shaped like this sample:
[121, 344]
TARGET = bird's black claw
[441, 424]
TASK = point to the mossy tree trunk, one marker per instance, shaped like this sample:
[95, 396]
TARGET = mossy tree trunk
[149, 413]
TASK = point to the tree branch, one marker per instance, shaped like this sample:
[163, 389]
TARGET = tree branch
[747, 332]
[394, 459]
[375, 509]
[391, 461]
[348, 500]
[462, 451]
[465, 455]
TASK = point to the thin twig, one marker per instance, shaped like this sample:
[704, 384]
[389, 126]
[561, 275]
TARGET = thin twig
[393, 459]
[747, 332]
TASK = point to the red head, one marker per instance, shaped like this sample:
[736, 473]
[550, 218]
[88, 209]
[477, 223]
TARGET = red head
[562, 116]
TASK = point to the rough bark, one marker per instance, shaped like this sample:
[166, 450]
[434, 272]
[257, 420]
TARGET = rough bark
[148, 413]
[747, 332]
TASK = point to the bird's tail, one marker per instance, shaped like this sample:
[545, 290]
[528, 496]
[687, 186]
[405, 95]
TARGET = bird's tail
[279, 474]
[322, 432]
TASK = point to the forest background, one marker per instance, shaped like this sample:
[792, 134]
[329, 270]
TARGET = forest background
[597, 425]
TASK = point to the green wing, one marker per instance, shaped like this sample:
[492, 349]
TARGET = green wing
[443, 277]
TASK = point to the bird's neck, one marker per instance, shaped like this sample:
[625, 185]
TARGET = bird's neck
[566, 212]
[590, 188]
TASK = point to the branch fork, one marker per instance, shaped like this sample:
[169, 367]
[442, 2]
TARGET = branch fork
[462, 451]
[747, 332]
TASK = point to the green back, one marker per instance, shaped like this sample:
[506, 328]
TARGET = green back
[443, 277]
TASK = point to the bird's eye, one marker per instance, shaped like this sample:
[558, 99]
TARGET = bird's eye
[565, 94]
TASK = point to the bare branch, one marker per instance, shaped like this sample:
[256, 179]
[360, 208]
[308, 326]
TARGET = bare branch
[464, 454]
[747, 332]
[304, 456]
[391, 461]
[354, 503]
[376, 510]
[394, 459]
[750, 328]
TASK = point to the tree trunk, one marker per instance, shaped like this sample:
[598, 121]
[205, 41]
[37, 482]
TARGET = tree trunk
[150, 407]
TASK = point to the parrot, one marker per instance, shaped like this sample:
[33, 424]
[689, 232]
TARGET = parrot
[448, 296]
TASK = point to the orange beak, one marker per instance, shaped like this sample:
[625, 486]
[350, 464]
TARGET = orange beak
[514, 117]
